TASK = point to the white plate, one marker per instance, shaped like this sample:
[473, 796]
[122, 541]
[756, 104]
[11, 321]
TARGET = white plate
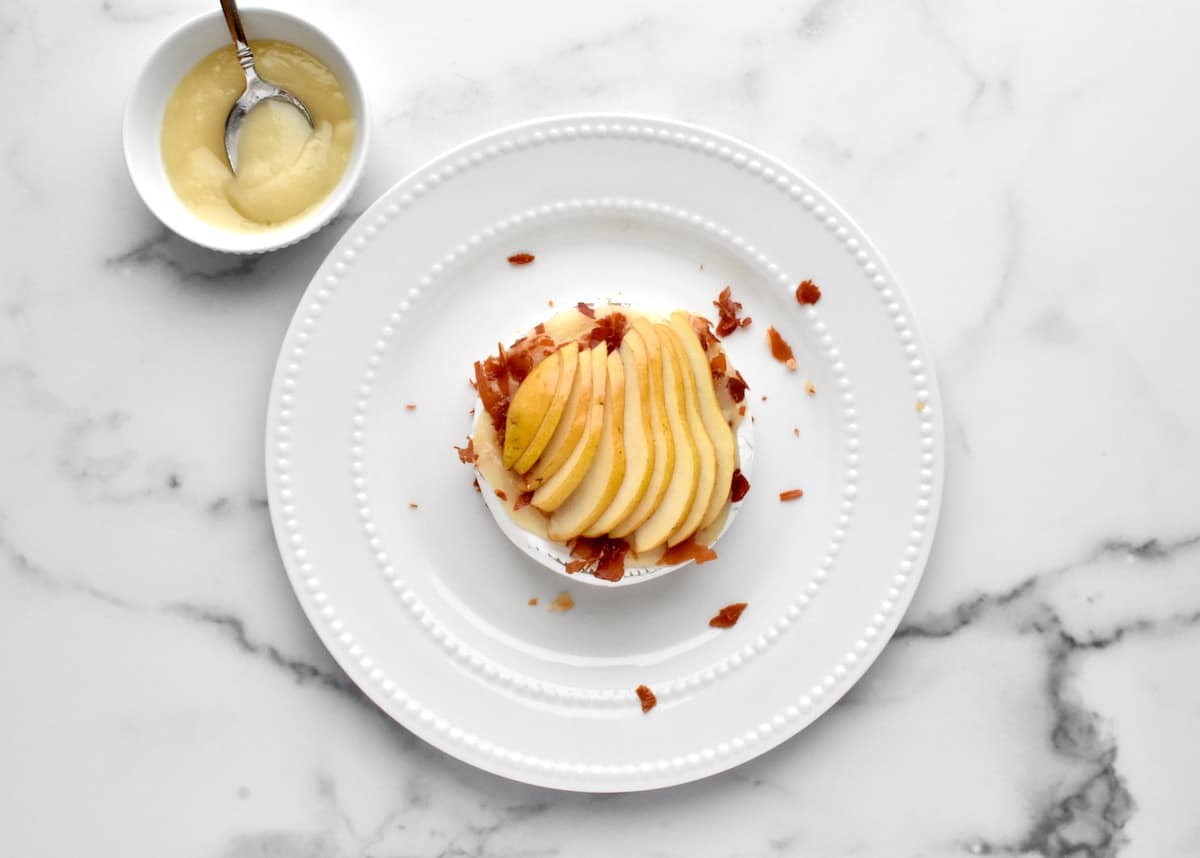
[427, 609]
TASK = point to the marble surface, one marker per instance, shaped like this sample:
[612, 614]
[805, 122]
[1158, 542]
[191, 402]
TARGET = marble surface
[1031, 171]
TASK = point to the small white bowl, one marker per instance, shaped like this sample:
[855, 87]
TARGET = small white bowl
[142, 131]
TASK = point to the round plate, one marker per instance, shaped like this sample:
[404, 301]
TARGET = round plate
[421, 598]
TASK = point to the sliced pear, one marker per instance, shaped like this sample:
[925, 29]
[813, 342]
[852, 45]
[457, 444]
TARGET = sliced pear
[557, 488]
[710, 412]
[529, 406]
[706, 480]
[685, 475]
[660, 433]
[569, 355]
[639, 447]
[603, 478]
[570, 427]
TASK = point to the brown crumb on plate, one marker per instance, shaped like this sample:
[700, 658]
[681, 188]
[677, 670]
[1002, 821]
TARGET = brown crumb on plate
[533, 600]
[412, 406]
[809, 389]
[791, 495]
[500, 493]
[796, 431]
[727, 617]
[808, 292]
[562, 602]
[521, 259]
[920, 405]
[414, 506]
[647, 698]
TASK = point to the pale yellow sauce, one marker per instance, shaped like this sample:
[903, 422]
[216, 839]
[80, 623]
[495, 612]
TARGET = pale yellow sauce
[285, 168]
[565, 326]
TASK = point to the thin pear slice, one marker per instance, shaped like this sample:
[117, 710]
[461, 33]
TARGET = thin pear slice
[570, 427]
[706, 481]
[639, 447]
[603, 479]
[529, 406]
[557, 488]
[681, 488]
[566, 377]
[660, 433]
[718, 430]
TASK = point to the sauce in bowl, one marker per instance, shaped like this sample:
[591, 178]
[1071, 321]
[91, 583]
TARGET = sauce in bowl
[286, 168]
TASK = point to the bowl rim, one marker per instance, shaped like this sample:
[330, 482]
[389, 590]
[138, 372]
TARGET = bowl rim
[192, 228]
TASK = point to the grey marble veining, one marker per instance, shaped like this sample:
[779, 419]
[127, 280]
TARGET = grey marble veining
[1029, 169]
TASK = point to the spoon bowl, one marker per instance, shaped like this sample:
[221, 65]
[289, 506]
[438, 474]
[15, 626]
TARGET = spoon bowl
[257, 90]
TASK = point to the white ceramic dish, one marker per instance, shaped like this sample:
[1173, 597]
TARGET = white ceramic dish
[142, 127]
[427, 608]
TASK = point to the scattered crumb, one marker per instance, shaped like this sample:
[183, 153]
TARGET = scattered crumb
[501, 494]
[414, 506]
[562, 602]
[523, 500]
[475, 483]
[701, 266]
[739, 486]
[752, 420]
[521, 259]
[796, 431]
[467, 454]
[533, 600]
[780, 350]
[741, 410]
[412, 406]
[646, 696]
[808, 292]
[727, 617]
[791, 495]
[550, 303]
[809, 389]
[920, 405]
[472, 412]
[764, 399]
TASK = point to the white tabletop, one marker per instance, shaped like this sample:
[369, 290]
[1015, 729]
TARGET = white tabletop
[1029, 169]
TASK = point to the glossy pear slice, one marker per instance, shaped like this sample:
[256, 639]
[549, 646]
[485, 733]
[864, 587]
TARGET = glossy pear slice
[681, 488]
[557, 488]
[706, 480]
[603, 478]
[719, 432]
[639, 448]
[570, 427]
[566, 377]
[529, 406]
[660, 435]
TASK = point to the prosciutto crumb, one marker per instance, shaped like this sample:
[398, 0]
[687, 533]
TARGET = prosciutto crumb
[603, 556]
[727, 312]
[808, 292]
[521, 259]
[610, 329]
[737, 387]
[467, 454]
[727, 617]
[780, 350]
[689, 549]
[647, 698]
[412, 406]
[791, 495]
[500, 493]
[586, 309]
[739, 487]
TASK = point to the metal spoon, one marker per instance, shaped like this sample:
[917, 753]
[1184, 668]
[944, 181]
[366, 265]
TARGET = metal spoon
[257, 90]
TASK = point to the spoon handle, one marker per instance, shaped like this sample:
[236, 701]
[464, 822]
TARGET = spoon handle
[241, 43]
